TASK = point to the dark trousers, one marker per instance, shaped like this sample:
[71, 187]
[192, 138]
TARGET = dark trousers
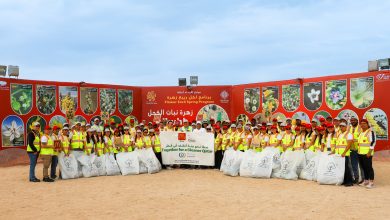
[159, 157]
[368, 170]
[355, 164]
[53, 169]
[348, 173]
[218, 159]
[33, 162]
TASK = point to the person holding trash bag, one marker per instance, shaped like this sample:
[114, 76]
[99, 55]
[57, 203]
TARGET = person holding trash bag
[343, 145]
[146, 138]
[331, 138]
[247, 138]
[299, 140]
[108, 141]
[77, 139]
[90, 142]
[139, 140]
[239, 138]
[47, 149]
[275, 139]
[99, 147]
[310, 138]
[264, 138]
[56, 150]
[288, 139]
[127, 141]
[366, 146]
[256, 140]
[156, 143]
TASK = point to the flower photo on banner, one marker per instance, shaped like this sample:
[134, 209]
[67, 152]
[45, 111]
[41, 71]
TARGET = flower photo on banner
[312, 93]
[347, 114]
[117, 120]
[302, 116]
[291, 97]
[35, 118]
[320, 114]
[12, 132]
[57, 120]
[252, 100]
[88, 100]
[270, 99]
[362, 92]
[243, 117]
[213, 111]
[21, 98]
[336, 94]
[378, 121]
[46, 99]
[68, 100]
[108, 100]
[78, 118]
[125, 99]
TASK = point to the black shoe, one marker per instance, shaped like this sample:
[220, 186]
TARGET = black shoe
[348, 184]
[47, 179]
[53, 177]
[35, 180]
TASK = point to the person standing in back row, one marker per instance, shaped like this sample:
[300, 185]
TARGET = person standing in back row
[33, 148]
[366, 146]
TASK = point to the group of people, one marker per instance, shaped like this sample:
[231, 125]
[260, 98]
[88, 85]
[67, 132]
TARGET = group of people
[348, 138]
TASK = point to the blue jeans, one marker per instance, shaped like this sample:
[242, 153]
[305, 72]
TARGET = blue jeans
[355, 164]
[54, 162]
[33, 163]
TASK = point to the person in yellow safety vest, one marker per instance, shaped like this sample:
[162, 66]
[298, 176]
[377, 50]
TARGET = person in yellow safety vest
[89, 142]
[83, 129]
[186, 126]
[56, 150]
[117, 142]
[146, 138]
[299, 140]
[247, 138]
[282, 128]
[343, 145]
[169, 126]
[233, 133]
[288, 139]
[99, 147]
[256, 140]
[139, 140]
[156, 144]
[336, 123]
[108, 141]
[239, 138]
[366, 147]
[225, 138]
[275, 139]
[355, 130]
[310, 138]
[47, 150]
[321, 138]
[77, 139]
[331, 138]
[128, 141]
[264, 138]
[65, 143]
[33, 149]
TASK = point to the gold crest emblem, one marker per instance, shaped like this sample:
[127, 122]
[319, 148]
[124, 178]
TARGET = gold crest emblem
[151, 96]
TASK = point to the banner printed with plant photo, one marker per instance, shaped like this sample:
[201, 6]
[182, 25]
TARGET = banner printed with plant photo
[312, 95]
[336, 94]
[88, 100]
[125, 99]
[68, 100]
[252, 100]
[291, 97]
[243, 117]
[347, 114]
[78, 118]
[46, 99]
[35, 118]
[57, 120]
[21, 98]
[321, 114]
[12, 132]
[301, 116]
[117, 120]
[362, 92]
[270, 99]
[378, 121]
[213, 111]
[108, 100]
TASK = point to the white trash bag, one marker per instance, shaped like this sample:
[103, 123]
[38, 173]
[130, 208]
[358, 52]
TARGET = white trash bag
[289, 164]
[100, 163]
[310, 170]
[301, 160]
[331, 169]
[68, 166]
[112, 167]
[263, 164]
[224, 161]
[276, 165]
[233, 161]
[128, 163]
[87, 167]
[151, 161]
[247, 163]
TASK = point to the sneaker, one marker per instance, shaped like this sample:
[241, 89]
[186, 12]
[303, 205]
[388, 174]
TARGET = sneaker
[363, 184]
[348, 184]
[370, 186]
[48, 180]
[35, 180]
[169, 168]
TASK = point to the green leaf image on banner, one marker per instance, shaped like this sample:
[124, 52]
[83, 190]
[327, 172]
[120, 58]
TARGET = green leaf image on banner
[125, 99]
[252, 100]
[36, 118]
[270, 99]
[46, 99]
[291, 97]
[88, 100]
[108, 100]
[21, 98]
[362, 92]
[336, 94]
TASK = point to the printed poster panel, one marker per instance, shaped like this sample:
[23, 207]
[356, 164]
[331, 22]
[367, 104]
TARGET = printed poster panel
[46, 97]
[347, 114]
[187, 148]
[378, 121]
[108, 100]
[291, 97]
[117, 120]
[243, 117]
[35, 118]
[68, 100]
[336, 94]
[252, 100]
[321, 114]
[312, 93]
[302, 116]
[279, 116]
[57, 120]
[213, 111]
[270, 99]
[362, 92]
[21, 98]
[125, 99]
[12, 132]
[88, 100]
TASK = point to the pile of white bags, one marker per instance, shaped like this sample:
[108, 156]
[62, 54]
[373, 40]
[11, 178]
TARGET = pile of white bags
[128, 163]
[289, 163]
[148, 162]
[301, 160]
[331, 169]
[68, 166]
[263, 164]
[112, 167]
[100, 163]
[247, 163]
[232, 161]
[310, 170]
[87, 167]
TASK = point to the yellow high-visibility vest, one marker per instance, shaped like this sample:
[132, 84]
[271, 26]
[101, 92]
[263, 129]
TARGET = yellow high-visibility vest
[65, 144]
[287, 140]
[356, 133]
[77, 140]
[364, 143]
[256, 143]
[127, 143]
[157, 144]
[49, 148]
[342, 144]
[37, 144]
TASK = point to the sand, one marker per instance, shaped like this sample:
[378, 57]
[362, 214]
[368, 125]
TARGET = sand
[189, 194]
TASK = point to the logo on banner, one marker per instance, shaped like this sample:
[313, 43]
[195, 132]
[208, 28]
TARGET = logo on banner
[382, 77]
[224, 96]
[3, 85]
[182, 136]
[151, 97]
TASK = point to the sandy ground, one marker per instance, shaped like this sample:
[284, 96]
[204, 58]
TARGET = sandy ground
[189, 194]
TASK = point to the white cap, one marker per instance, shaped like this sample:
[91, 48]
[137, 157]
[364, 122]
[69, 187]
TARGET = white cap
[96, 119]
[337, 118]
[239, 126]
[247, 128]
[98, 130]
[233, 126]
[151, 130]
[65, 128]
[88, 125]
[283, 124]
[90, 130]
[142, 124]
[343, 124]
[209, 127]
[139, 131]
[77, 122]
[193, 124]
[269, 124]
[35, 123]
[198, 122]
[72, 127]
[185, 120]
[105, 130]
[126, 128]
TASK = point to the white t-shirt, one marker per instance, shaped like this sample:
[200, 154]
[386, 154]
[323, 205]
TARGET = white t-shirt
[279, 137]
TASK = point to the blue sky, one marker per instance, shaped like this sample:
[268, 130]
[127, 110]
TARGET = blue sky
[223, 42]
